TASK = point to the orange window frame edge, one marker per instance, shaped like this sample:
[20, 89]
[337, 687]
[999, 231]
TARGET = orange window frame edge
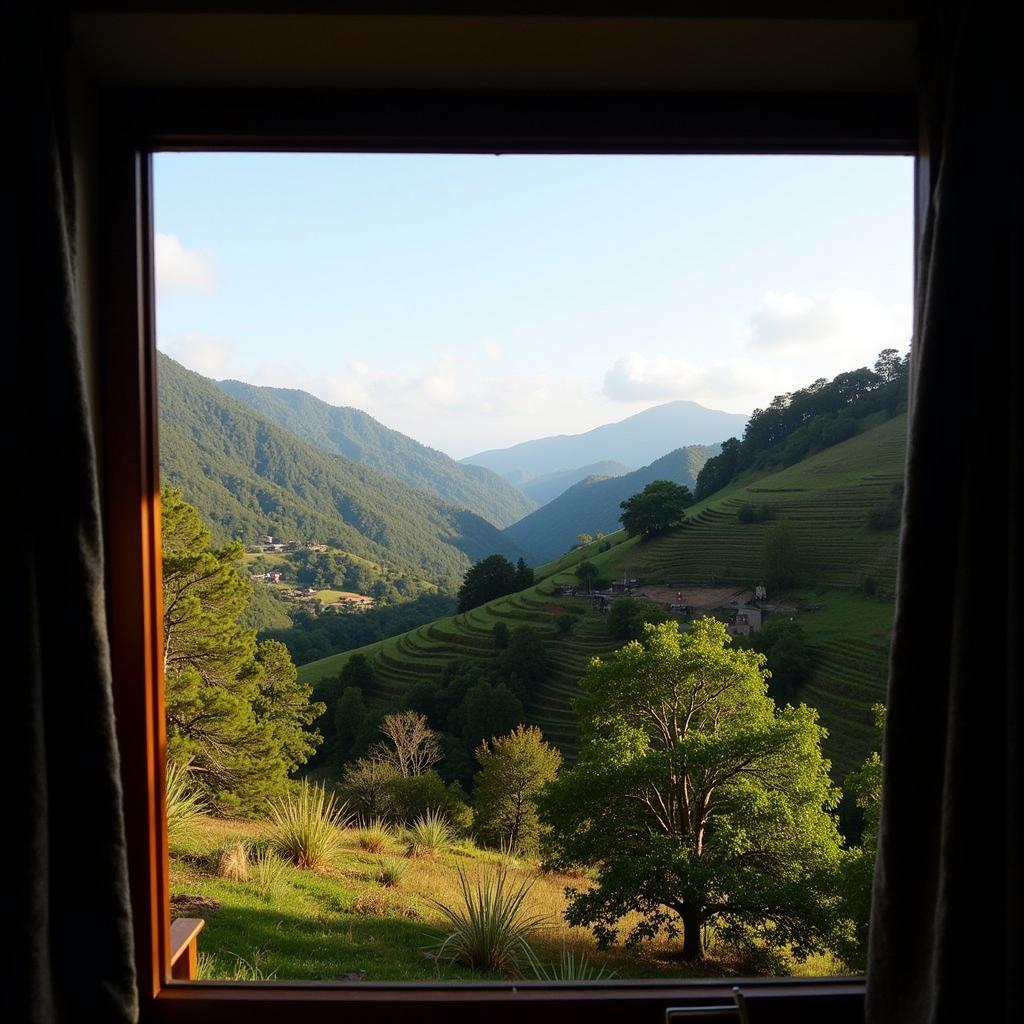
[134, 125]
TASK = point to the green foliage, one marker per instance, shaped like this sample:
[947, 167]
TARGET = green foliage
[349, 716]
[355, 435]
[554, 528]
[367, 787]
[303, 826]
[749, 513]
[235, 709]
[657, 508]
[698, 800]
[184, 802]
[586, 572]
[809, 420]
[514, 769]
[885, 516]
[391, 871]
[789, 658]
[571, 966]
[782, 564]
[565, 624]
[375, 835]
[628, 617]
[500, 632]
[250, 478]
[487, 579]
[267, 874]
[430, 834]
[491, 928]
[425, 797]
[524, 575]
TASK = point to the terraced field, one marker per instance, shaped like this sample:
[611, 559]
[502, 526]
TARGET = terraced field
[827, 498]
[426, 651]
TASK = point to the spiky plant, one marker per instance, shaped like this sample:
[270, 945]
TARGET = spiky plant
[184, 802]
[375, 836]
[233, 862]
[429, 835]
[571, 966]
[390, 871]
[491, 926]
[303, 826]
[267, 874]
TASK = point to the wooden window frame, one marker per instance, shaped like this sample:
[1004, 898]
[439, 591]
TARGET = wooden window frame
[136, 124]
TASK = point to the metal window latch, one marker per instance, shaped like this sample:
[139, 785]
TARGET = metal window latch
[693, 1014]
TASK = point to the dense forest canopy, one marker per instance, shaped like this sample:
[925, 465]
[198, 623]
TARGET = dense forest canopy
[805, 421]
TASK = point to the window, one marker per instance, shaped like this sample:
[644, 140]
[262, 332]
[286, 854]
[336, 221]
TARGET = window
[585, 123]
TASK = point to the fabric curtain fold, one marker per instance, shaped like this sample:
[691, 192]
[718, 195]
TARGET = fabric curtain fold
[70, 948]
[947, 907]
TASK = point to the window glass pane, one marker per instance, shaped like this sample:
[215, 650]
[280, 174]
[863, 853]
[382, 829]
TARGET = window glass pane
[530, 530]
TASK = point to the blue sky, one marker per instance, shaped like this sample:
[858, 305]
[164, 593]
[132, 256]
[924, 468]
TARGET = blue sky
[476, 301]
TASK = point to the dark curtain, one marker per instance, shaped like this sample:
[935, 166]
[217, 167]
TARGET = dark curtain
[66, 911]
[947, 908]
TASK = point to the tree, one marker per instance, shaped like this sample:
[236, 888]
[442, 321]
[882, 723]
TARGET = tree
[865, 785]
[489, 578]
[658, 507]
[583, 539]
[565, 624]
[513, 771]
[234, 708]
[790, 660]
[698, 800]
[500, 632]
[781, 565]
[524, 575]
[488, 710]
[411, 746]
[349, 714]
[627, 617]
[586, 573]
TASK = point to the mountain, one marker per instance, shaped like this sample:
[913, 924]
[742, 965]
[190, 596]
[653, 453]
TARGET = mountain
[635, 441]
[249, 477]
[592, 505]
[358, 436]
[549, 485]
[828, 498]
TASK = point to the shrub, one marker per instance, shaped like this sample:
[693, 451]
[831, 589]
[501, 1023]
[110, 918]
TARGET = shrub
[233, 862]
[390, 871]
[267, 874]
[885, 517]
[413, 797]
[564, 624]
[869, 586]
[490, 929]
[571, 966]
[430, 835]
[304, 826]
[184, 802]
[375, 836]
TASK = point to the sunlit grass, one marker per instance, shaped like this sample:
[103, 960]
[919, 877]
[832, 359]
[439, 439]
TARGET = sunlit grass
[304, 826]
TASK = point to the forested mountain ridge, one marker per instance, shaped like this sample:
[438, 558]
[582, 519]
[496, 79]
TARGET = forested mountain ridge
[250, 477]
[592, 505]
[635, 441]
[341, 430]
[550, 485]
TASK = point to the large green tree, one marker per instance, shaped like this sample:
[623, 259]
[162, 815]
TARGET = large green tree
[658, 507]
[514, 769]
[697, 799]
[234, 706]
[487, 579]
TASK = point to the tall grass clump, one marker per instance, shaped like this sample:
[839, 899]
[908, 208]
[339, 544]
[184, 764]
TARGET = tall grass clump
[267, 874]
[571, 966]
[429, 835]
[375, 835]
[390, 871]
[233, 862]
[491, 927]
[184, 802]
[304, 826]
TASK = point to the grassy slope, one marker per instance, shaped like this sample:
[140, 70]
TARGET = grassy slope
[827, 497]
[325, 925]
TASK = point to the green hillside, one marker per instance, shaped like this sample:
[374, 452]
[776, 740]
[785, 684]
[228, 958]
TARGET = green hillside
[249, 477]
[358, 436]
[592, 505]
[828, 498]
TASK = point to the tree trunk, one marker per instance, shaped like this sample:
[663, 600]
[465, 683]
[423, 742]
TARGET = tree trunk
[693, 937]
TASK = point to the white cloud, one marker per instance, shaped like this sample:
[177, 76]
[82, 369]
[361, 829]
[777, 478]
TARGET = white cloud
[212, 357]
[493, 351]
[182, 269]
[844, 322]
[734, 384]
